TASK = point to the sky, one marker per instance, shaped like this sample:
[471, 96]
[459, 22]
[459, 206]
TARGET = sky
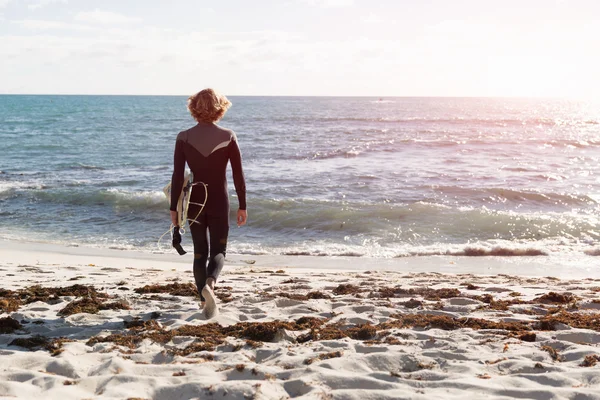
[539, 48]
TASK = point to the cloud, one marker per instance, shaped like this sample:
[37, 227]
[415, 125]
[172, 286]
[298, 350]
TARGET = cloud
[104, 17]
[329, 3]
[4, 3]
[372, 19]
[43, 3]
[41, 24]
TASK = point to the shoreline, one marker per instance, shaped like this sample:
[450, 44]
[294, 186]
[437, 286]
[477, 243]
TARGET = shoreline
[564, 266]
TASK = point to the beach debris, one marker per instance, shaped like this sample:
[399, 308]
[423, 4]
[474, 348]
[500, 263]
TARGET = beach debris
[556, 298]
[141, 325]
[362, 332]
[412, 303]
[553, 353]
[426, 293]
[91, 305]
[527, 337]
[346, 288]
[590, 360]
[11, 301]
[9, 325]
[54, 345]
[9, 305]
[323, 356]
[581, 320]
[302, 297]
[174, 289]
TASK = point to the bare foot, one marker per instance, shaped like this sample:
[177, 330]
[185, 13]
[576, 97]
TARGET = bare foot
[210, 309]
[210, 282]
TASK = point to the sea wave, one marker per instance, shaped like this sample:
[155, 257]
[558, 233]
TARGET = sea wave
[517, 197]
[413, 223]
[593, 252]
[9, 189]
[116, 198]
[470, 251]
[88, 167]
[467, 121]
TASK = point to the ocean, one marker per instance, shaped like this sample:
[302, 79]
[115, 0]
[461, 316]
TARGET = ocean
[331, 176]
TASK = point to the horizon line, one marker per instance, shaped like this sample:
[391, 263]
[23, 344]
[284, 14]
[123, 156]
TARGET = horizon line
[317, 95]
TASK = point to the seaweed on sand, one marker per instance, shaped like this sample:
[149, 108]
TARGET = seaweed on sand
[91, 306]
[573, 319]
[174, 289]
[54, 346]
[10, 300]
[347, 288]
[556, 298]
[9, 325]
[426, 293]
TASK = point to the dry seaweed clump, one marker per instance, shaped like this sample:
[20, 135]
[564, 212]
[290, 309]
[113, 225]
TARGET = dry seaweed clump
[141, 325]
[224, 296]
[10, 301]
[426, 321]
[9, 305]
[130, 340]
[45, 294]
[323, 332]
[500, 305]
[265, 331]
[174, 289]
[412, 303]
[304, 297]
[572, 319]
[9, 325]
[323, 356]
[527, 337]
[195, 347]
[33, 342]
[310, 322]
[590, 361]
[91, 306]
[426, 293]
[54, 346]
[362, 332]
[346, 288]
[556, 298]
[553, 353]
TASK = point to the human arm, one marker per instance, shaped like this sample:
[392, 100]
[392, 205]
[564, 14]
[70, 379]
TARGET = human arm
[177, 178]
[235, 157]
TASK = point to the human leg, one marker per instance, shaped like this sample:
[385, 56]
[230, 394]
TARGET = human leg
[218, 227]
[198, 230]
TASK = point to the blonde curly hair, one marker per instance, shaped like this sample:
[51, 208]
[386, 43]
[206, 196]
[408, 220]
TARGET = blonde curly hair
[208, 106]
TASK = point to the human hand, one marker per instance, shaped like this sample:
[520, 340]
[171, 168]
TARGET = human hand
[242, 217]
[174, 220]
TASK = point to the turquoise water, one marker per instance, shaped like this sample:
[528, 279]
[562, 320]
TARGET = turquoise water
[326, 176]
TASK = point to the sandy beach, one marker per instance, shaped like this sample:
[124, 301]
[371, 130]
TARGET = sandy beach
[81, 323]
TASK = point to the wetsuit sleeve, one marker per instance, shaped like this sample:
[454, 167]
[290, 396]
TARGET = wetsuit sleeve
[235, 157]
[178, 172]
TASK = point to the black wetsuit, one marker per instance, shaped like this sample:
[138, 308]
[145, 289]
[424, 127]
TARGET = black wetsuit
[207, 148]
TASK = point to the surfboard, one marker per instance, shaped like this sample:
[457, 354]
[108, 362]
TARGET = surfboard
[184, 198]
